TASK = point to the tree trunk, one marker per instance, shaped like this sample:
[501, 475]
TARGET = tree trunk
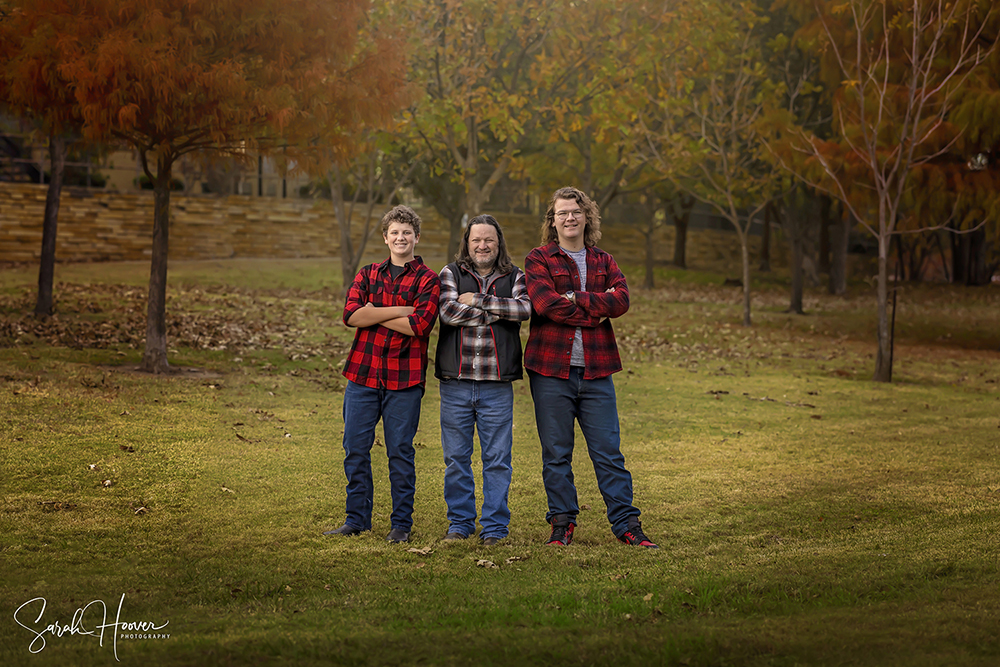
[944, 259]
[979, 273]
[915, 259]
[841, 237]
[883, 359]
[154, 359]
[50, 224]
[649, 282]
[960, 248]
[795, 246]
[473, 200]
[455, 228]
[901, 262]
[681, 223]
[468, 209]
[825, 205]
[792, 224]
[348, 261]
[765, 241]
[455, 225]
[745, 254]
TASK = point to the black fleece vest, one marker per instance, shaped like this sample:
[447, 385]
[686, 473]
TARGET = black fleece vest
[507, 334]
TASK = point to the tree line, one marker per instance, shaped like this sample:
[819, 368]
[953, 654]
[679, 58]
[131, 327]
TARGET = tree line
[841, 114]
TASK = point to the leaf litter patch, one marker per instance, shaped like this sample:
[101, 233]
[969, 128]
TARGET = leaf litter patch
[212, 319]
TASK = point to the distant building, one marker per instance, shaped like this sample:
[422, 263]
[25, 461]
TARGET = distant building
[24, 159]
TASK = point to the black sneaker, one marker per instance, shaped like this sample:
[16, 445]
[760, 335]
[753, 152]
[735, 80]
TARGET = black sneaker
[635, 537]
[562, 531]
[346, 530]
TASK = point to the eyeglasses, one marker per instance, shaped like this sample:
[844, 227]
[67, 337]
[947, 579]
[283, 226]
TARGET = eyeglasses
[562, 215]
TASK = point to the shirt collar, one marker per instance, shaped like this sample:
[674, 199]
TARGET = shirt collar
[412, 264]
[465, 266]
[553, 249]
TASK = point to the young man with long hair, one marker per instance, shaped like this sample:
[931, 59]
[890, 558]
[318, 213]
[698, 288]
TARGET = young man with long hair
[576, 289]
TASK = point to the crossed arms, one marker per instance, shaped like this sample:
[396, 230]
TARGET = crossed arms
[410, 320]
[396, 318]
[471, 309]
[578, 308]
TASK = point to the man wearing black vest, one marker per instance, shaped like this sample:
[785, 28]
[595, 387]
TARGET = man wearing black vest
[483, 302]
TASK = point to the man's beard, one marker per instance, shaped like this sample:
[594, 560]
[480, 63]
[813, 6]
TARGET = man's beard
[484, 265]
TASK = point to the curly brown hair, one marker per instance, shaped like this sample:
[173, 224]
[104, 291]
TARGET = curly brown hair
[592, 230]
[402, 214]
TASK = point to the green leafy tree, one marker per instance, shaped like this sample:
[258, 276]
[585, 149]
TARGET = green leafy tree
[803, 214]
[492, 74]
[701, 115]
[361, 183]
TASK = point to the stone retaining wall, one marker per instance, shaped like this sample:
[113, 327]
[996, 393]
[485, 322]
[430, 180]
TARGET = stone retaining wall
[97, 225]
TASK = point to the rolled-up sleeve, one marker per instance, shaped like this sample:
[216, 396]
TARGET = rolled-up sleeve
[546, 300]
[357, 295]
[425, 309]
[607, 304]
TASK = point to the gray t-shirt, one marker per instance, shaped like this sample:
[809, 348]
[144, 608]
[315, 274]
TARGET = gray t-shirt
[580, 257]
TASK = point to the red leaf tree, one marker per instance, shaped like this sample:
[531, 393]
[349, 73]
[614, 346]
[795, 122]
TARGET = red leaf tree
[171, 77]
[898, 69]
[33, 40]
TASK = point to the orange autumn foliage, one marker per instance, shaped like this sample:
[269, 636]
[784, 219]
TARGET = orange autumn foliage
[175, 76]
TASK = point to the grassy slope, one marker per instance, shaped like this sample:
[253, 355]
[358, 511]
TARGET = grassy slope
[806, 515]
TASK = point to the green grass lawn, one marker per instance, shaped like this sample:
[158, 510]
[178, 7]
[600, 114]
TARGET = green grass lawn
[806, 515]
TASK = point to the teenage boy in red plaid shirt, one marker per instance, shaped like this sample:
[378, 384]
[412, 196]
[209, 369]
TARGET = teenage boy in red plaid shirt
[393, 305]
[575, 290]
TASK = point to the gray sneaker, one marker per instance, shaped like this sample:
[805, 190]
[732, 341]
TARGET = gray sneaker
[398, 536]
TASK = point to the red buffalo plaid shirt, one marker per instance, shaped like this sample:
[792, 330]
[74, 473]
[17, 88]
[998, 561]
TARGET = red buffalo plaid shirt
[380, 357]
[551, 273]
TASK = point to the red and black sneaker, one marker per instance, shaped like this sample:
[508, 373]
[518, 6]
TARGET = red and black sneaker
[635, 537]
[562, 531]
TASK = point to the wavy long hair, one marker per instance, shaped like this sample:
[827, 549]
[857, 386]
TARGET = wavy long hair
[592, 230]
[503, 263]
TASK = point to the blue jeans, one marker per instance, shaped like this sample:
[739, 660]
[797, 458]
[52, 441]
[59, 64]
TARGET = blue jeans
[489, 408]
[558, 403]
[400, 414]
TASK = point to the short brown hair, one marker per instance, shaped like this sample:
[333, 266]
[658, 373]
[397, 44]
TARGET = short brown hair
[401, 214]
[592, 230]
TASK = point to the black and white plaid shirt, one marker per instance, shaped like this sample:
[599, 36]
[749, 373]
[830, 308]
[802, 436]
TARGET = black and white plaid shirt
[479, 358]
